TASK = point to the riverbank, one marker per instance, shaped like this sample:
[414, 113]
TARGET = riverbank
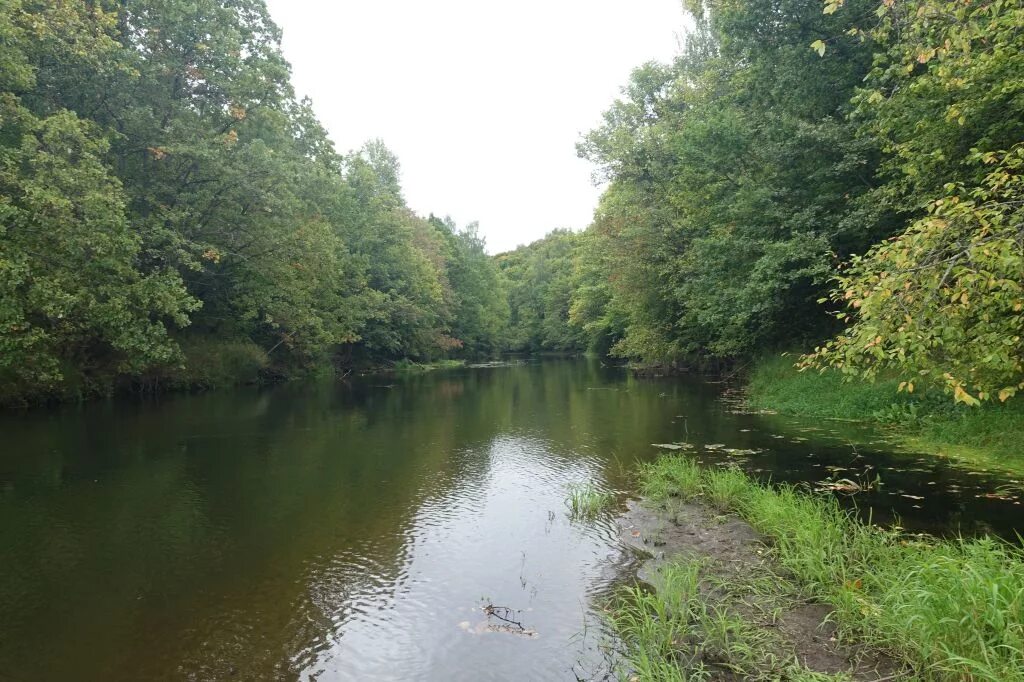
[991, 435]
[206, 365]
[753, 582]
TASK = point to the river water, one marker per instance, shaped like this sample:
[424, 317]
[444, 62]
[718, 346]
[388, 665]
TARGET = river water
[357, 531]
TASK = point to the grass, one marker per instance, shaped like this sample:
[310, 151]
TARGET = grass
[928, 421]
[586, 501]
[406, 365]
[951, 610]
[691, 628]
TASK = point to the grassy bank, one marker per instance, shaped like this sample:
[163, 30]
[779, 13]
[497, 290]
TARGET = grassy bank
[680, 634]
[992, 435]
[949, 610]
[407, 365]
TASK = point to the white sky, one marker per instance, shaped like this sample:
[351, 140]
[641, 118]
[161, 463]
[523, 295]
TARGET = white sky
[482, 102]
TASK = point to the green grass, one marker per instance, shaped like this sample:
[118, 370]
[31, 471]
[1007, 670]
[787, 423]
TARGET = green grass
[586, 502]
[680, 631]
[952, 610]
[929, 421]
[406, 365]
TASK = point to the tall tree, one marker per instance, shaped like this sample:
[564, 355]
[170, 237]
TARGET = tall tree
[735, 180]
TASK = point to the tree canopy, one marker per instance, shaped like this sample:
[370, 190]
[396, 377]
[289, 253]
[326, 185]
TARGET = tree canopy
[844, 175]
[166, 201]
[801, 153]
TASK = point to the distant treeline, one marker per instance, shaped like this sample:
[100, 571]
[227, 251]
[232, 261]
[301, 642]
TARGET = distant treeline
[852, 171]
[171, 215]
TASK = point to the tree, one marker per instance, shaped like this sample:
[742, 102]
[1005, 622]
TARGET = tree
[540, 288]
[72, 303]
[941, 303]
[479, 302]
[735, 181]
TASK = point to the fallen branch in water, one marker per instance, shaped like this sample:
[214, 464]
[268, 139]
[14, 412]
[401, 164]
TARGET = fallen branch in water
[503, 613]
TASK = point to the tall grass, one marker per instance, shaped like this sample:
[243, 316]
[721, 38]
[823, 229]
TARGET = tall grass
[925, 420]
[681, 632]
[952, 610]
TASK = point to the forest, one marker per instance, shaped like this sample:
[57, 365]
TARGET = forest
[172, 216]
[843, 179]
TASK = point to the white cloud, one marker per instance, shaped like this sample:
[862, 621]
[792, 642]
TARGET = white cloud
[482, 102]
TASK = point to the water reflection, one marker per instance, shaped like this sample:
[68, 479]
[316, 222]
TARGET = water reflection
[355, 531]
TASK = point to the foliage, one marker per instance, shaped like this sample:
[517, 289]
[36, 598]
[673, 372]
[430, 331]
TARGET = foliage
[731, 188]
[941, 304]
[479, 300]
[161, 186]
[71, 300]
[541, 284]
[945, 87]
[877, 146]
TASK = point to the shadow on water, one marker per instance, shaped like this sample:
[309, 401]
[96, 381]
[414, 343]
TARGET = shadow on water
[357, 531]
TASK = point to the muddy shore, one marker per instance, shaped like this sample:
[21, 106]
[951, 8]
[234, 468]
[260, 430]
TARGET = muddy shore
[732, 553]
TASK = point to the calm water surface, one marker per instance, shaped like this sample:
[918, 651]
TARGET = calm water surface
[354, 532]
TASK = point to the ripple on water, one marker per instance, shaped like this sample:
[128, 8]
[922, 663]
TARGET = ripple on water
[496, 534]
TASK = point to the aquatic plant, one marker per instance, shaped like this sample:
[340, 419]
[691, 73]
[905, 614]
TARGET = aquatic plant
[586, 501]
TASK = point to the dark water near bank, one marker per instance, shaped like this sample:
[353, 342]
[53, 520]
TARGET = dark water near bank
[353, 532]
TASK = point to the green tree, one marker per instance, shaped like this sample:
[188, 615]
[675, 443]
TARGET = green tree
[479, 302]
[941, 303]
[73, 306]
[540, 288]
[730, 184]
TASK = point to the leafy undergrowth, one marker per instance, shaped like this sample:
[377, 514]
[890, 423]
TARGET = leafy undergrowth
[992, 434]
[950, 610]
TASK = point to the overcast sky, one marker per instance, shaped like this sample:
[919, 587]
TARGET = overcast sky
[482, 102]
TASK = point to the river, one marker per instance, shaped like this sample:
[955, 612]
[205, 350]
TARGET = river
[356, 531]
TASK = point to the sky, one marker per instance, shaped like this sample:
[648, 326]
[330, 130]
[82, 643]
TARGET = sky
[482, 102]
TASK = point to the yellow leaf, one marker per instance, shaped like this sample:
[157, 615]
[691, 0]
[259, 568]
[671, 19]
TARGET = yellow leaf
[819, 47]
[962, 396]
